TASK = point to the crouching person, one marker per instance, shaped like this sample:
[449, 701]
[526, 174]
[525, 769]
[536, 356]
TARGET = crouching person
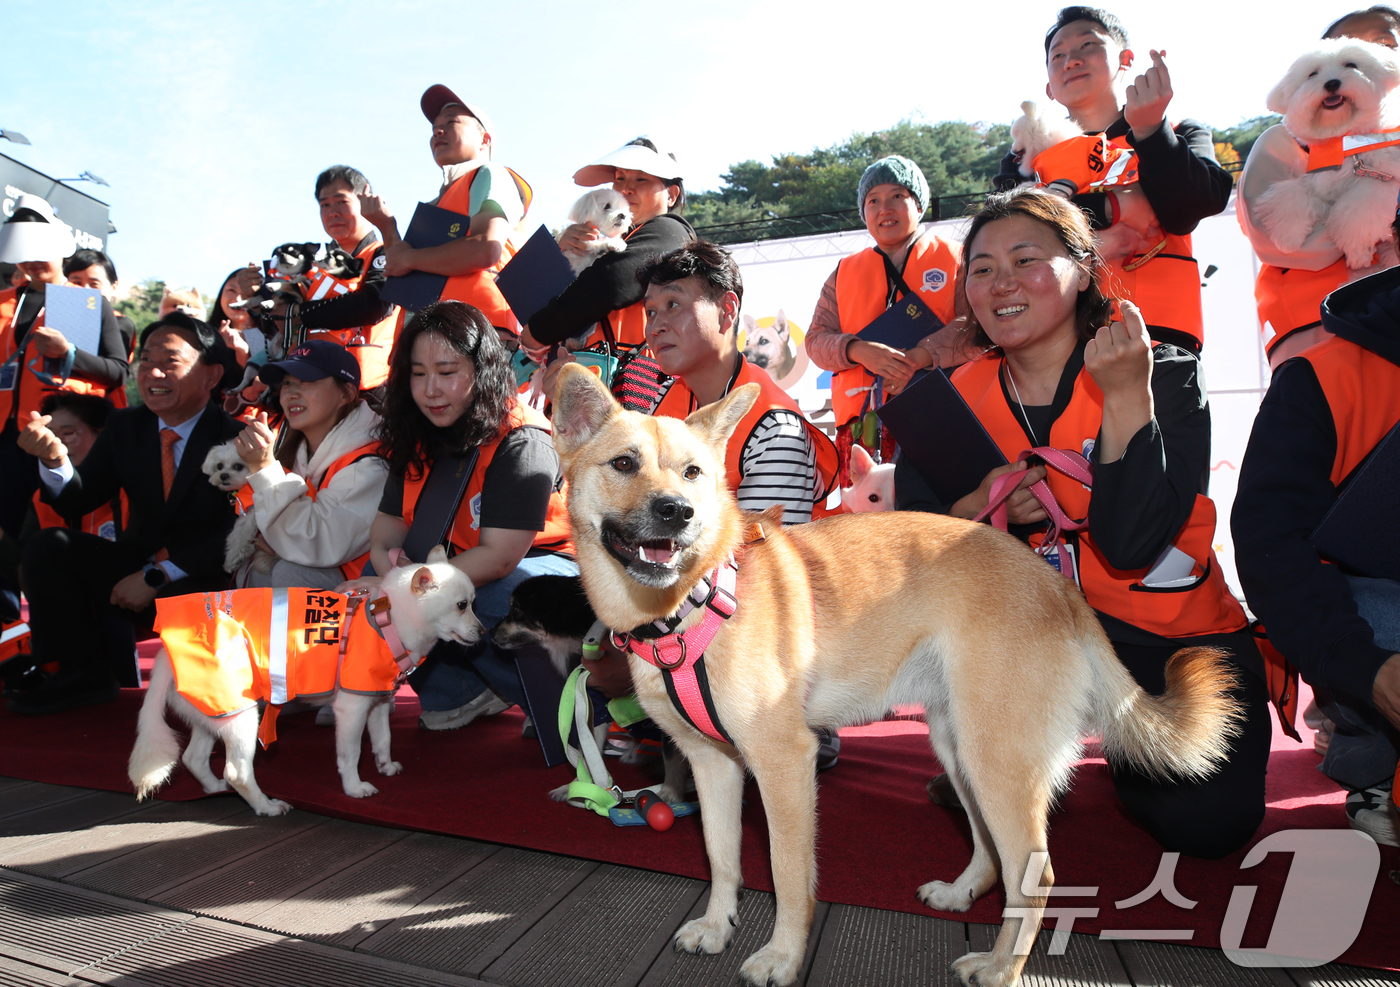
[472, 468]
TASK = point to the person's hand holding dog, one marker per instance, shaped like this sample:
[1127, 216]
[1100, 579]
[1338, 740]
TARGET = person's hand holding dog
[610, 673]
[1146, 106]
[576, 238]
[248, 281]
[1021, 506]
[132, 593]
[255, 442]
[36, 439]
[1119, 359]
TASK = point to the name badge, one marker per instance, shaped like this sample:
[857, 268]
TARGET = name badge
[8, 372]
[1062, 559]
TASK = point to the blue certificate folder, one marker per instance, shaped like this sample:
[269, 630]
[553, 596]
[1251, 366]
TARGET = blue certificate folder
[431, 226]
[1362, 530]
[941, 437]
[902, 325]
[538, 272]
[75, 312]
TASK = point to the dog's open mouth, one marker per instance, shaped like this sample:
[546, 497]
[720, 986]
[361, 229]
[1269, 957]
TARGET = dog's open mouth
[1333, 101]
[650, 560]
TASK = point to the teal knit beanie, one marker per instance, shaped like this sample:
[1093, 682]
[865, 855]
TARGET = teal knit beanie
[893, 170]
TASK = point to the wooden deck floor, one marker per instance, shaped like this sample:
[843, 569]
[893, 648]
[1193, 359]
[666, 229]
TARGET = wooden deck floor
[95, 888]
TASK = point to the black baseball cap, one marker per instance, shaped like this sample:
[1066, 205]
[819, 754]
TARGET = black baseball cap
[314, 359]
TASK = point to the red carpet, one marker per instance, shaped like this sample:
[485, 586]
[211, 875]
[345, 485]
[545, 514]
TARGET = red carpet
[879, 836]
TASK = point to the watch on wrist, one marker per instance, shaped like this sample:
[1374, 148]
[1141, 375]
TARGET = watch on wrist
[155, 576]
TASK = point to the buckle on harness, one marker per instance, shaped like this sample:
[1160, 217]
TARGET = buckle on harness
[662, 662]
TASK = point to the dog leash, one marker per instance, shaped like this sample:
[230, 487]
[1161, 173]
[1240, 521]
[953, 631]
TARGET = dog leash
[1063, 461]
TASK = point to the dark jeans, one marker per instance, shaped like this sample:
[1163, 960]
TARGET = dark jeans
[1215, 816]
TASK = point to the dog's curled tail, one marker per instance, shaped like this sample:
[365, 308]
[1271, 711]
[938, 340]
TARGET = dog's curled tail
[157, 745]
[1183, 733]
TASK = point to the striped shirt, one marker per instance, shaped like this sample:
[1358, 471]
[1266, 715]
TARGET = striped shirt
[779, 466]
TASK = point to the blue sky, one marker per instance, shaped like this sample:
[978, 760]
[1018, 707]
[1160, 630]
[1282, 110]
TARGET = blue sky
[211, 121]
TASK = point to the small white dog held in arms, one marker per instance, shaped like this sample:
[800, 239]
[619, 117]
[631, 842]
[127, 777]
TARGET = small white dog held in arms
[425, 604]
[227, 471]
[1343, 88]
[872, 484]
[1037, 130]
[608, 213]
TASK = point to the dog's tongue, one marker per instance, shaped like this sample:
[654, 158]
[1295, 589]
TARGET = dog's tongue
[659, 552]
[1333, 101]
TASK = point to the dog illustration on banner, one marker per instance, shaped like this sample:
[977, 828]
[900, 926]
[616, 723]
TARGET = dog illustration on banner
[775, 344]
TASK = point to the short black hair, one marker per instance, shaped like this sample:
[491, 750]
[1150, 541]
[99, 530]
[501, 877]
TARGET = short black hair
[213, 351]
[1112, 26]
[90, 409]
[647, 142]
[81, 260]
[1388, 14]
[701, 259]
[342, 173]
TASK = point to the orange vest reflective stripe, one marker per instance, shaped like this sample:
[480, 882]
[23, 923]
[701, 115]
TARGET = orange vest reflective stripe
[1204, 607]
[29, 391]
[479, 287]
[1363, 390]
[861, 292]
[679, 402]
[1332, 152]
[1290, 298]
[370, 345]
[1165, 285]
[100, 522]
[231, 649]
[466, 527]
[353, 568]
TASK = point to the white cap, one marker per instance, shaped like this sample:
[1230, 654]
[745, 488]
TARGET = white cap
[632, 156]
[37, 237]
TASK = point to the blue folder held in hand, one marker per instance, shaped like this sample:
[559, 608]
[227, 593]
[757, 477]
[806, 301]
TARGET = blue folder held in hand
[537, 273]
[1362, 530]
[75, 312]
[902, 325]
[431, 226]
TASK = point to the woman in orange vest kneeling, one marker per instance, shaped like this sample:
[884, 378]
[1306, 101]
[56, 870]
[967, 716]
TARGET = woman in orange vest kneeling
[473, 468]
[1062, 376]
[315, 497]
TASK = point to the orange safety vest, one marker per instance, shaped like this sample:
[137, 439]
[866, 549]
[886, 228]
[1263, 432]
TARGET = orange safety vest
[1332, 152]
[1290, 298]
[479, 287]
[1206, 606]
[680, 401]
[466, 527]
[861, 292]
[628, 325]
[1363, 390]
[1165, 282]
[233, 648]
[353, 568]
[28, 391]
[370, 345]
[100, 522]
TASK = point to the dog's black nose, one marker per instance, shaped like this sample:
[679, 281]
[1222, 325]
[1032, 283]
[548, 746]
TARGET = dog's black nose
[1332, 85]
[672, 510]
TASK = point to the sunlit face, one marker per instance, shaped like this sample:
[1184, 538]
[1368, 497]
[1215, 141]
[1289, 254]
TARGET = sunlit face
[313, 405]
[1084, 63]
[458, 136]
[237, 318]
[647, 195]
[42, 271]
[1368, 27]
[685, 328]
[73, 433]
[172, 381]
[441, 380]
[94, 277]
[1022, 284]
[891, 215]
[340, 210]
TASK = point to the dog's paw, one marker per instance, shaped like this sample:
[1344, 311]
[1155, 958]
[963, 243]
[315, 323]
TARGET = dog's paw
[770, 967]
[700, 936]
[986, 970]
[668, 794]
[560, 794]
[389, 768]
[944, 897]
[360, 789]
[274, 807]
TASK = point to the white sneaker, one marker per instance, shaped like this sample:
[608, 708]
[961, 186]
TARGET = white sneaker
[486, 704]
[1371, 811]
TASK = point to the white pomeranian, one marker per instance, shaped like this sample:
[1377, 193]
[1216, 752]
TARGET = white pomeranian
[1037, 130]
[607, 212]
[227, 471]
[1343, 88]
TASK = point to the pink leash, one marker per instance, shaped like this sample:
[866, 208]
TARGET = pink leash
[1070, 464]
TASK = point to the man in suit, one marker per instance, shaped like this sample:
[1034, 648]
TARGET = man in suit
[173, 542]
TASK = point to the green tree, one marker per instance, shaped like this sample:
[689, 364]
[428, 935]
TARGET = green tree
[1243, 134]
[142, 303]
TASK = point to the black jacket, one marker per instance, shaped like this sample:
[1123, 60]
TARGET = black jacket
[1285, 489]
[193, 524]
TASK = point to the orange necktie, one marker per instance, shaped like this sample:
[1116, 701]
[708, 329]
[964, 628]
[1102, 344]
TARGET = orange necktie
[168, 438]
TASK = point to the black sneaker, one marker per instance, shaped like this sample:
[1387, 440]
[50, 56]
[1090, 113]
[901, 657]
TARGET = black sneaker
[1372, 811]
[828, 749]
[65, 691]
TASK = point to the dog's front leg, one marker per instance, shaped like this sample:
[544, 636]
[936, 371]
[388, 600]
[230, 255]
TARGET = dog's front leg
[240, 736]
[719, 780]
[351, 711]
[379, 737]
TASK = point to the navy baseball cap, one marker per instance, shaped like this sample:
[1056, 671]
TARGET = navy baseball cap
[314, 359]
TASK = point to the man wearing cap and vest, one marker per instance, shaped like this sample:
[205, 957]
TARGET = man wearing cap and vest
[493, 196]
[1144, 227]
[1326, 411]
[905, 260]
[351, 312]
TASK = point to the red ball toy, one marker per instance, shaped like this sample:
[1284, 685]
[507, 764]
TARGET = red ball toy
[654, 810]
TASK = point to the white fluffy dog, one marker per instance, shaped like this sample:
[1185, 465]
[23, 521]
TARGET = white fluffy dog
[428, 603]
[607, 212]
[872, 484]
[1344, 87]
[1037, 130]
[227, 471]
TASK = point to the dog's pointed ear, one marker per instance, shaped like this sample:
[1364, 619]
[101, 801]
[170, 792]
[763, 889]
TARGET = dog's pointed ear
[717, 421]
[861, 463]
[582, 406]
[438, 554]
[423, 581]
[780, 325]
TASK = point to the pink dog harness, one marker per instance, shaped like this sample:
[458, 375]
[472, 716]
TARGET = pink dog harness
[681, 656]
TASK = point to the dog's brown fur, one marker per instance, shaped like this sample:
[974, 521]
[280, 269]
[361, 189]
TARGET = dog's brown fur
[1005, 655]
